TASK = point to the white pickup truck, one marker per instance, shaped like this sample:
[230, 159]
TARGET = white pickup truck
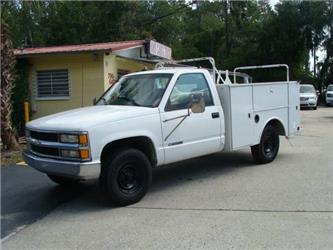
[156, 117]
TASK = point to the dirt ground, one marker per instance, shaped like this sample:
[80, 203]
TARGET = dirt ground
[11, 157]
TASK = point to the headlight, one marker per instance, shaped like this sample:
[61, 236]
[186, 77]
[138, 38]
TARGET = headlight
[77, 139]
[79, 151]
[66, 138]
[82, 154]
[70, 153]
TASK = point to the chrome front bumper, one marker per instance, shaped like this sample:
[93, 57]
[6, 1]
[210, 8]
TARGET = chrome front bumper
[309, 103]
[79, 170]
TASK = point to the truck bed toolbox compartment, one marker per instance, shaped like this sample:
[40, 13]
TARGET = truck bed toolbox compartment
[249, 107]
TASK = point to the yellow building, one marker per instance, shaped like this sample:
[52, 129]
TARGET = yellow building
[67, 77]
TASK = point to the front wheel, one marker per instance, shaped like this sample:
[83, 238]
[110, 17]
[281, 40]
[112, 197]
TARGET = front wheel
[268, 147]
[126, 176]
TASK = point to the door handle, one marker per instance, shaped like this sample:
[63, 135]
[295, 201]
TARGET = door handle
[215, 115]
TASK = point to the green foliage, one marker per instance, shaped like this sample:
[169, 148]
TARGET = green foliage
[235, 33]
[326, 72]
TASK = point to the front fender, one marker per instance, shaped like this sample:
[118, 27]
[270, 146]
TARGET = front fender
[147, 126]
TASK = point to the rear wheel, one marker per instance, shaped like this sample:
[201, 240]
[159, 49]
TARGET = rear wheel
[268, 147]
[125, 176]
[63, 181]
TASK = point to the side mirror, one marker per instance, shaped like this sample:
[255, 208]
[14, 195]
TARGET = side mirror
[197, 103]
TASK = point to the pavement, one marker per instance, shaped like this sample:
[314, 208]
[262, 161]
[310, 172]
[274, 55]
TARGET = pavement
[28, 195]
[219, 201]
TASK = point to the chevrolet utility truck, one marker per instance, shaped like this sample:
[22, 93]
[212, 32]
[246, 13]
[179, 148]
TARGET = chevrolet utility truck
[152, 118]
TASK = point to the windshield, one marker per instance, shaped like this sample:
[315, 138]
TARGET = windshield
[330, 88]
[307, 89]
[137, 90]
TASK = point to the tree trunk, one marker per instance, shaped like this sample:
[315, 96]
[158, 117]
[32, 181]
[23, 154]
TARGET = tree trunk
[226, 26]
[7, 84]
[314, 61]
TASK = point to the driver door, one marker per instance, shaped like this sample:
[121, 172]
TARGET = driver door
[199, 133]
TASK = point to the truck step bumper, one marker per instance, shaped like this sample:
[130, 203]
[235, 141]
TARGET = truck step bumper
[78, 170]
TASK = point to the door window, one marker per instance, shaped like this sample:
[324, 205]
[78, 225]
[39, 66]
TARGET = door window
[186, 85]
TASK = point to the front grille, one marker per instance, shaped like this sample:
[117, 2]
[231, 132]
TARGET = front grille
[44, 136]
[304, 98]
[47, 144]
[44, 150]
[41, 149]
[329, 95]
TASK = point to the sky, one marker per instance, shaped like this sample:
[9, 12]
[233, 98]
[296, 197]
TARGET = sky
[273, 2]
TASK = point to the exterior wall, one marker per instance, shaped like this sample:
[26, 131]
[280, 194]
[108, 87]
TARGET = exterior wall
[113, 63]
[131, 65]
[85, 81]
[90, 75]
[110, 69]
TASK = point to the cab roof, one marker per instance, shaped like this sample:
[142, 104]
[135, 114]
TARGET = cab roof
[170, 71]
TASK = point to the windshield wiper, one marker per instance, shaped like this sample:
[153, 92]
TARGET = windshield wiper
[129, 100]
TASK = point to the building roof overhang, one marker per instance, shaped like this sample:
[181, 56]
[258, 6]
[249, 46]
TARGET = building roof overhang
[79, 48]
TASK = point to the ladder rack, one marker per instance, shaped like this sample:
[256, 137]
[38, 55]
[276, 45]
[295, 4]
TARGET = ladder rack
[216, 73]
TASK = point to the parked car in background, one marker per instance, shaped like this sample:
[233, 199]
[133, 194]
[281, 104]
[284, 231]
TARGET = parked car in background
[308, 96]
[329, 95]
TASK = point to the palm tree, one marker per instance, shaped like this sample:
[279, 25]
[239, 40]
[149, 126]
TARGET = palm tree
[7, 84]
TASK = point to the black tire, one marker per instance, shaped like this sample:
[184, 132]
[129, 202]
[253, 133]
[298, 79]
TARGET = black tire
[125, 176]
[315, 108]
[63, 181]
[268, 148]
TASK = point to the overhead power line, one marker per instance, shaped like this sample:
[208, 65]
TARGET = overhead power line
[172, 13]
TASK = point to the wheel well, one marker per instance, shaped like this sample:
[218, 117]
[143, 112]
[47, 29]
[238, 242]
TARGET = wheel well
[141, 143]
[278, 126]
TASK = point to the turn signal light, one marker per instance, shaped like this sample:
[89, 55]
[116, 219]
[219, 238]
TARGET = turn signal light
[83, 139]
[84, 154]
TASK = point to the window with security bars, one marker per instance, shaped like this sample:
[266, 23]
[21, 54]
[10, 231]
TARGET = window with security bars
[52, 83]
